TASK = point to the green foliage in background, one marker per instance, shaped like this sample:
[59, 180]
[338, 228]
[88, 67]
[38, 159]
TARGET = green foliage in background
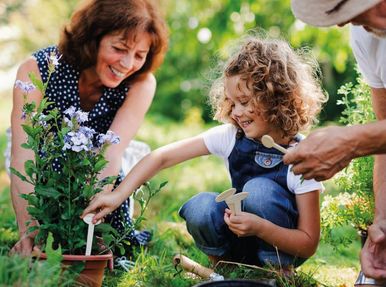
[199, 33]
[26, 271]
[354, 206]
[153, 266]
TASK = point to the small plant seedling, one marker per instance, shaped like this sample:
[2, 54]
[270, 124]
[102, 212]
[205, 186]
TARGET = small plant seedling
[268, 142]
[90, 231]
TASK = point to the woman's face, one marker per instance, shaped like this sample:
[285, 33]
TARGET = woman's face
[119, 57]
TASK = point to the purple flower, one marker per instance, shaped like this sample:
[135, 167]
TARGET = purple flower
[53, 59]
[79, 148]
[81, 117]
[42, 120]
[70, 111]
[68, 122]
[109, 137]
[89, 133]
[79, 140]
[26, 87]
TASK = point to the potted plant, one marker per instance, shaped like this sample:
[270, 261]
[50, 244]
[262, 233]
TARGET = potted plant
[68, 157]
[354, 205]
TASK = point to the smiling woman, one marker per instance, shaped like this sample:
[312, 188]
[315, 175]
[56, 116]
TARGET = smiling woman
[107, 54]
[119, 57]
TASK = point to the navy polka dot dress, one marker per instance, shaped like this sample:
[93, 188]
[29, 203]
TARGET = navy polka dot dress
[63, 90]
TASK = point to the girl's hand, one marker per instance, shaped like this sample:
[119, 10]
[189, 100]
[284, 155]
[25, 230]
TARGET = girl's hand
[102, 204]
[243, 224]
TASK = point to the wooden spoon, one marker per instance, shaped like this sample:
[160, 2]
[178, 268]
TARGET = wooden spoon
[268, 142]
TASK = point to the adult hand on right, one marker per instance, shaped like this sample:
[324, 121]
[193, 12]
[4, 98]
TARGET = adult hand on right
[322, 154]
[24, 246]
[373, 254]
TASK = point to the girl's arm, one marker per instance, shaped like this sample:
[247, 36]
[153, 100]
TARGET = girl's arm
[301, 242]
[19, 155]
[126, 123]
[166, 156]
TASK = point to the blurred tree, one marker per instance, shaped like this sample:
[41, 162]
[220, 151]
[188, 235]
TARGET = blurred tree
[28, 25]
[201, 29]
[199, 33]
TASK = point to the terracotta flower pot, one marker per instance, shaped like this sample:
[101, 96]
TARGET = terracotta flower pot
[92, 274]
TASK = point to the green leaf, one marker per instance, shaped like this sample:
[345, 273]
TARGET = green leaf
[37, 82]
[109, 180]
[34, 212]
[121, 249]
[105, 228]
[163, 184]
[26, 146]
[29, 167]
[31, 131]
[33, 228]
[49, 192]
[100, 164]
[54, 257]
[21, 176]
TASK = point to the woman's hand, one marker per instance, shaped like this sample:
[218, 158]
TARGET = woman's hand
[102, 204]
[24, 246]
[243, 224]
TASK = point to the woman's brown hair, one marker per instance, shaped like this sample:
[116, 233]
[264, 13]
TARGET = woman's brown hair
[95, 19]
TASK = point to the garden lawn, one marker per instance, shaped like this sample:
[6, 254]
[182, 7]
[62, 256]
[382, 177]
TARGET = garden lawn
[154, 265]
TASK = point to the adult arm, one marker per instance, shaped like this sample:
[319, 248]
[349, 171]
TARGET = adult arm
[19, 155]
[373, 254]
[302, 241]
[127, 121]
[149, 166]
[328, 150]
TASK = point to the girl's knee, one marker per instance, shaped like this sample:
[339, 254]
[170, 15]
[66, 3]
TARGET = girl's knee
[202, 209]
[262, 192]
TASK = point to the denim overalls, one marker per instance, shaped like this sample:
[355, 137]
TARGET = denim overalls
[260, 172]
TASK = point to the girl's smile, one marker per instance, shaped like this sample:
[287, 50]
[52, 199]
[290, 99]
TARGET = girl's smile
[246, 114]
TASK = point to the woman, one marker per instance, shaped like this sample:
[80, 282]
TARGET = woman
[107, 53]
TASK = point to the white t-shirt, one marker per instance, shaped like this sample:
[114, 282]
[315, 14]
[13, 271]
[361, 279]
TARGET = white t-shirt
[370, 53]
[220, 141]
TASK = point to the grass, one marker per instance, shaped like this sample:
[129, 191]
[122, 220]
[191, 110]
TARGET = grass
[153, 266]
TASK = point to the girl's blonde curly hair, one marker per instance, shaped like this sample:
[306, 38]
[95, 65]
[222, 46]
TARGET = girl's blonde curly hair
[284, 84]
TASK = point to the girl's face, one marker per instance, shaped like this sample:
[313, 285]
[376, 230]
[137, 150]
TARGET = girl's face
[119, 57]
[244, 113]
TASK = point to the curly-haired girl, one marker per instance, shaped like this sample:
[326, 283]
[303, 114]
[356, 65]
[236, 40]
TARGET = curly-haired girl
[265, 88]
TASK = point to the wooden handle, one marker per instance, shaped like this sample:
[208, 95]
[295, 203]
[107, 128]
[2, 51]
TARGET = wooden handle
[234, 202]
[280, 148]
[192, 266]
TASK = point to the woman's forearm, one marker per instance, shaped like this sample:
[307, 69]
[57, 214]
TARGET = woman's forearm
[19, 187]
